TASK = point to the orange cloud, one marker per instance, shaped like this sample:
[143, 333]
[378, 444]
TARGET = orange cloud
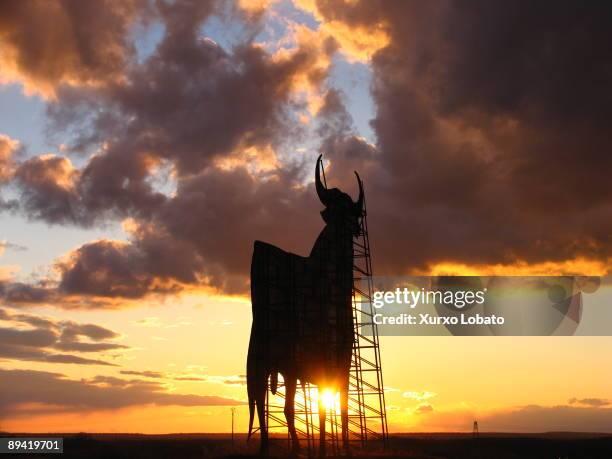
[577, 266]
[255, 6]
[255, 158]
[318, 48]
[356, 43]
[7, 147]
[45, 44]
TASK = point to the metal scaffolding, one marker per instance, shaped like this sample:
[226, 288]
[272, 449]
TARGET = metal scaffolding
[367, 412]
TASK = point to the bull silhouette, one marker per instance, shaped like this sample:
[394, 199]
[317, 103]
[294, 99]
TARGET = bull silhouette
[302, 316]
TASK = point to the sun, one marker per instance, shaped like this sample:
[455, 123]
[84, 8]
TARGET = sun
[329, 399]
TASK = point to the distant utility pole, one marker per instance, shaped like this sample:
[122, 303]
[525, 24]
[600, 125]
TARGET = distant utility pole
[475, 433]
[233, 411]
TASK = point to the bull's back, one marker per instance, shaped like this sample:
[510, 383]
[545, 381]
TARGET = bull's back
[266, 260]
[275, 277]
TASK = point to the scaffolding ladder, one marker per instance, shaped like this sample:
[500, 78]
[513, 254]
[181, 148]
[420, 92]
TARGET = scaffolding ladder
[368, 416]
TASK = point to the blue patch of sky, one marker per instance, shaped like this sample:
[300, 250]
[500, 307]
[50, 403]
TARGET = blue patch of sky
[23, 118]
[225, 29]
[146, 38]
[354, 79]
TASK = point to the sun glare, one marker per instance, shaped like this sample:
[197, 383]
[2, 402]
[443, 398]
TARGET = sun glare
[329, 399]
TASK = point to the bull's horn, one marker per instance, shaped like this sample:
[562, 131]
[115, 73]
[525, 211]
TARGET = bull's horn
[359, 203]
[322, 192]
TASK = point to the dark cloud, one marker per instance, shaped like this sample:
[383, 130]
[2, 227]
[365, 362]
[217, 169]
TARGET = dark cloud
[30, 319]
[236, 380]
[491, 129]
[107, 268]
[594, 402]
[239, 380]
[35, 338]
[48, 43]
[19, 388]
[146, 374]
[87, 347]
[19, 292]
[4, 245]
[120, 382]
[45, 335]
[45, 292]
[47, 185]
[72, 330]
[32, 354]
[12, 205]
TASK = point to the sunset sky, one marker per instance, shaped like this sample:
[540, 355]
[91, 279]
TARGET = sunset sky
[144, 146]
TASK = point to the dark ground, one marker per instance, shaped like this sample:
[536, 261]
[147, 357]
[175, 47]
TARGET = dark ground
[186, 446]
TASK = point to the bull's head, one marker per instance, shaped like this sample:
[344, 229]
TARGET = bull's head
[339, 207]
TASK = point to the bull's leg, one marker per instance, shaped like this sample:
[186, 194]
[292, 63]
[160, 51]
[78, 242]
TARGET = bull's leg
[344, 418]
[321, 426]
[260, 399]
[290, 387]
